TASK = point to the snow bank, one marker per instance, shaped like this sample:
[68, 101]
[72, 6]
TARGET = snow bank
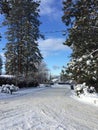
[9, 88]
[21, 92]
[60, 86]
[42, 85]
[85, 94]
[88, 99]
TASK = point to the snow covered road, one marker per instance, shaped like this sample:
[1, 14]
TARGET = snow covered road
[47, 109]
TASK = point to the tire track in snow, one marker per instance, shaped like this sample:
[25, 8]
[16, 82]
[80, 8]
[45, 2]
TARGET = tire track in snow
[50, 109]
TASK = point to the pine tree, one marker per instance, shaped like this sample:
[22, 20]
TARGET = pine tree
[82, 18]
[22, 51]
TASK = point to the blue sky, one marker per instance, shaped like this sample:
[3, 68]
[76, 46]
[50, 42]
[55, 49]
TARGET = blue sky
[54, 52]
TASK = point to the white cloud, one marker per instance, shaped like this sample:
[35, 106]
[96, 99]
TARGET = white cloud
[52, 46]
[46, 7]
[50, 8]
[55, 67]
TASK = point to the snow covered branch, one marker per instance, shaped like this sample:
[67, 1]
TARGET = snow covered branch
[93, 52]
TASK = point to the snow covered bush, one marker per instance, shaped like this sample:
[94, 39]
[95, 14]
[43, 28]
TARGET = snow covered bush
[9, 88]
[91, 90]
[84, 89]
[79, 89]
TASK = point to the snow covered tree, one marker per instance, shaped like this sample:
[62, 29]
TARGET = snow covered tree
[22, 52]
[43, 72]
[81, 17]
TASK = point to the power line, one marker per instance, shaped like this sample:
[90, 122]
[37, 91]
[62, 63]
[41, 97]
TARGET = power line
[62, 31]
[55, 31]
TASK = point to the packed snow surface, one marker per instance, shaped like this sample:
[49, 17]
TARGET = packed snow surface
[46, 108]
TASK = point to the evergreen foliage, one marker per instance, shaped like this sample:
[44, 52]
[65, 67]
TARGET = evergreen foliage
[22, 52]
[81, 17]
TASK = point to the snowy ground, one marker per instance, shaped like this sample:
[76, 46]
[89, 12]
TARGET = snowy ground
[46, 109]
[91, 99]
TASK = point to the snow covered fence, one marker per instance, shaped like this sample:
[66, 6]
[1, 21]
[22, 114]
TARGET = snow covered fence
[9, 88]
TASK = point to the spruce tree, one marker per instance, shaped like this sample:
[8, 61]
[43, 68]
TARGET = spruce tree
[82, 19]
